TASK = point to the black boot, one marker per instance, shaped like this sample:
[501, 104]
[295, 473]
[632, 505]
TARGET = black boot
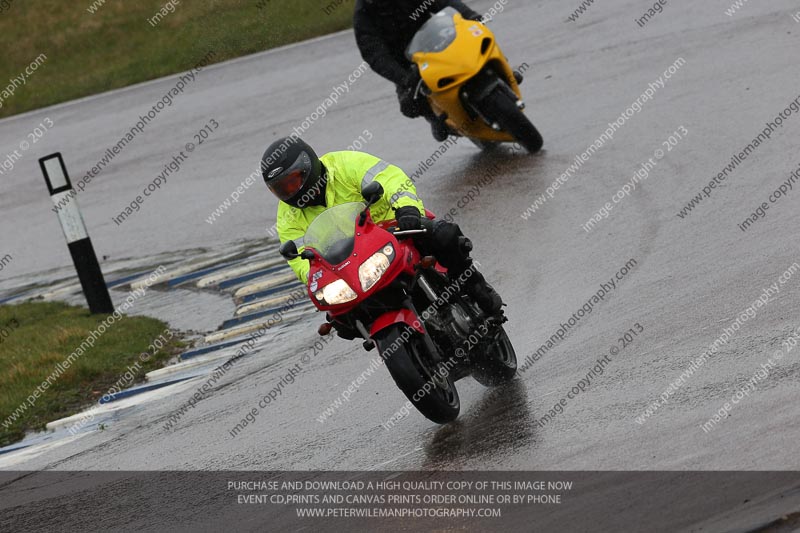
[484, 294]
[439, 129]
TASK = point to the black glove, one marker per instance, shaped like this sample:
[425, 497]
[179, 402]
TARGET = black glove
[476, 17]
[408, 218]
[409, 105]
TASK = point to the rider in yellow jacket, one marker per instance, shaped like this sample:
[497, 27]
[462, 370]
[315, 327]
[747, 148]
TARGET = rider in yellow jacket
[307, 185]
[345, 175]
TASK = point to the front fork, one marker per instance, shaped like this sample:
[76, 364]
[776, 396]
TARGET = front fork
[427, 289]
[480, 87]
[431, 294]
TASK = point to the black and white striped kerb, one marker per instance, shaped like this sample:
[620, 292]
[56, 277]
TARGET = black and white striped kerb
[80, 245]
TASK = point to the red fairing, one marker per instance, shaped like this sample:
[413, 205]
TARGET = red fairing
[397, 317]
[370, 238]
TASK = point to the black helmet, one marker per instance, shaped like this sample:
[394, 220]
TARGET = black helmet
[293, 172]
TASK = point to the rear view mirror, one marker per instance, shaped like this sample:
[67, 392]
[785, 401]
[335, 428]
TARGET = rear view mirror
[372, 192]
[289, 250]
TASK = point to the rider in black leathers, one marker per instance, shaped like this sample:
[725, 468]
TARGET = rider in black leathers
[383, 30]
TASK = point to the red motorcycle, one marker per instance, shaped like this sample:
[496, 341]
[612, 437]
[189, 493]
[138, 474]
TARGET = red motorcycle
[376, 285]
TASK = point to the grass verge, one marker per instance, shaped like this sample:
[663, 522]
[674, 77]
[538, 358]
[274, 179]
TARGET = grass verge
[116, 45]
[39, 341]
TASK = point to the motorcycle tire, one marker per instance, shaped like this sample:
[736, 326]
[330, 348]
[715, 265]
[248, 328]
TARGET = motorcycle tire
[497, 363]
[407, 367]
[501, 106]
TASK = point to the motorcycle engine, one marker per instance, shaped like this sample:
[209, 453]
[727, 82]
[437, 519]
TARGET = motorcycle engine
[459, 323]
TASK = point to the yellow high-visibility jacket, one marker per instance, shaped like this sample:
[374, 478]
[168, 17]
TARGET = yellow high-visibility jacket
[347, 173]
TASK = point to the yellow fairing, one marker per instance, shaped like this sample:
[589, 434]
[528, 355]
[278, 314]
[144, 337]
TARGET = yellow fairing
[447, 71]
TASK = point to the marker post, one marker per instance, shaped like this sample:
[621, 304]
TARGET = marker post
[78, 241]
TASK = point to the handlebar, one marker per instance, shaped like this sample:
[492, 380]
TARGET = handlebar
[408, 232]
[426, 227]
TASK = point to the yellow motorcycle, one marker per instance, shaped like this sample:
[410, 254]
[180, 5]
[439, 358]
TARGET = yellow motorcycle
[469, 83]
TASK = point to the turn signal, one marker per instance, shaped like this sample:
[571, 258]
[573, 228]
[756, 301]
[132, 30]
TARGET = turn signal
[427, 262]
[325, 329]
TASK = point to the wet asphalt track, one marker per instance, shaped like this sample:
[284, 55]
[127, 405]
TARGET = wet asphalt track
[691, 279]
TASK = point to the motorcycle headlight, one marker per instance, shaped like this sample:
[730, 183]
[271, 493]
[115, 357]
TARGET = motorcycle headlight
[338, 292]
[373, 268]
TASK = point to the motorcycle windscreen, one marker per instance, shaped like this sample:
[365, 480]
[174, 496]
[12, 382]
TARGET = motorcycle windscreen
[332, 233]
[435, 35]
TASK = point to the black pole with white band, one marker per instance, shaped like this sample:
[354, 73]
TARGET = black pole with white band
[80, 245]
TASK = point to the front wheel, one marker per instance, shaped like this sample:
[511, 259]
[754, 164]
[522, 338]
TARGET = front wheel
[501, 106]
[432, 392]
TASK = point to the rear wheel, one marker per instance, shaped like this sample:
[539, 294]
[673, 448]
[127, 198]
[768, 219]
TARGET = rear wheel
[501, 106]
[496, 363]
[432, 393]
